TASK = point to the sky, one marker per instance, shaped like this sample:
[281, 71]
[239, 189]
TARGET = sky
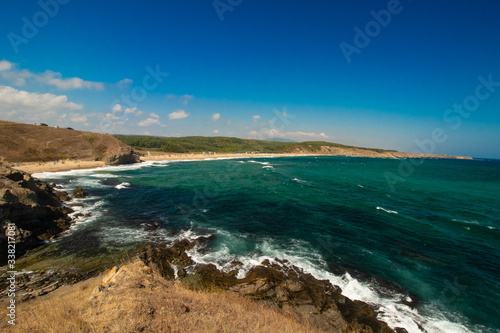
[409, 75]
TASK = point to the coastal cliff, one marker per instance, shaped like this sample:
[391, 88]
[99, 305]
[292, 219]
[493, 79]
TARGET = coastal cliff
[163, 290]
[277, 284]
[31, 143]
[31, 210]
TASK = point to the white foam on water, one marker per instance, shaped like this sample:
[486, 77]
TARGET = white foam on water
[123, 235]
[299, 254]
[262, 163]
[466, 221]
[387, 210]
[299, 180]
[104, 175]
[122, 185]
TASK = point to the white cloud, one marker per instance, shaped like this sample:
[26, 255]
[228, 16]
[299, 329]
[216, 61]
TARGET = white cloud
[154, 115]
[55, 79]
[112, 116]
[149, 122]
[299, 135]
[178, 114]
[215, 116]
[117, 108]
[24, 101]
[78, 118]
[184, 99]
[24, 106]
[125, 83]
[256, 117]
[5, 65]
[254, 133]
[216, 131]
[14, 75]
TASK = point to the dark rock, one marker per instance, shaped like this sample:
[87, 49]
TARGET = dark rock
[400, 330]
[181, 272]
[33, 208]
[78, 193]
[279, 284]
[150, 226]
[126, 155]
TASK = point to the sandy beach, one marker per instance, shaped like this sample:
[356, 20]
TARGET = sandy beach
[36, 167]
[177, 157]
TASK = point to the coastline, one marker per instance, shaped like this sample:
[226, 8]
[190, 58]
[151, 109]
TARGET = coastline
[37, 167]
[175, 158]
[58, 166]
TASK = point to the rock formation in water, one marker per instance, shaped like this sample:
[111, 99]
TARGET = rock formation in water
[280, 285]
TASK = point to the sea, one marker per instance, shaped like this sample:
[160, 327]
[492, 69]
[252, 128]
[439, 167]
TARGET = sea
[417, 239]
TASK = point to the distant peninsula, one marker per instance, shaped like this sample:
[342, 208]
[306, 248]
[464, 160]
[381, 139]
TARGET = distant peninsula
[36, 148]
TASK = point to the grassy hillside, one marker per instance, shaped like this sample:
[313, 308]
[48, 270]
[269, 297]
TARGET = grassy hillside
[30, 143]
[197, 144]
[146, 302]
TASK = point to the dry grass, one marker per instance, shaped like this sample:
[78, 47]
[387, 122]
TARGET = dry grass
[143, 302]
[29, 143]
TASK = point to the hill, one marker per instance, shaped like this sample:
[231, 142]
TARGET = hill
[220, 144]
[30, 143]
[198, 144]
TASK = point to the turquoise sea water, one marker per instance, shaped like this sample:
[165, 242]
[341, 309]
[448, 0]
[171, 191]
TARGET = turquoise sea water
[426, 254]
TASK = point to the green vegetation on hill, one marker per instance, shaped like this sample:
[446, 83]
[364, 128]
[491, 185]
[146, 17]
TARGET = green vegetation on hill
[196, 144]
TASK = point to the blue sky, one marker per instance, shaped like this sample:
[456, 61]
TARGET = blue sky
[370, 73]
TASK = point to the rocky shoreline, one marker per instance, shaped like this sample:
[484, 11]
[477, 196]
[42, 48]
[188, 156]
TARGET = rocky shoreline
[277, 284]
[31, 210]
[35, 209]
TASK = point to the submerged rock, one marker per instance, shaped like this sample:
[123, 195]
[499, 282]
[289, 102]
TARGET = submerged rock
[78, 193]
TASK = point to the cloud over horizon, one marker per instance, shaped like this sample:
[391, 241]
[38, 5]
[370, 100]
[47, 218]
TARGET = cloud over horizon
[297, 135]
[178, 114]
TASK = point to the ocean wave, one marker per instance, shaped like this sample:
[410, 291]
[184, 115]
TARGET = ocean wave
[104, 175]
[298, 253]
[122, 185]
[387, 210]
